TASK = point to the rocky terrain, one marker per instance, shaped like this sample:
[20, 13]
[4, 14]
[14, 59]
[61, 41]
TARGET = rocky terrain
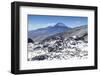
[60, 46]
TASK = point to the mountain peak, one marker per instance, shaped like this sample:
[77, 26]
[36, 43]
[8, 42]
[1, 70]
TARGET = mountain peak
[60, 24]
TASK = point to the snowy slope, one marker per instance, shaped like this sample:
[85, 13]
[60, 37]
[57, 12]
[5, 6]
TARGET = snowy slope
[62, 46]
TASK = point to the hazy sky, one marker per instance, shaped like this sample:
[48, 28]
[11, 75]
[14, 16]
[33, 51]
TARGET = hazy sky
[41, 21]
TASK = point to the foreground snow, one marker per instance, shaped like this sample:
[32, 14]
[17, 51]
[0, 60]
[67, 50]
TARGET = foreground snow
[58, 49]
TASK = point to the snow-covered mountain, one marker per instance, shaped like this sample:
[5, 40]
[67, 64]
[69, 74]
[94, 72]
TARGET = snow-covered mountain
[61, 46]
[42, 33]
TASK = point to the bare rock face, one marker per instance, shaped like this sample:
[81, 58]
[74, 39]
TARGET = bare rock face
[30, 40]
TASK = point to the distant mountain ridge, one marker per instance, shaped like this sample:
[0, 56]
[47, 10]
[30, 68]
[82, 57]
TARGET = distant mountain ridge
[42, 33]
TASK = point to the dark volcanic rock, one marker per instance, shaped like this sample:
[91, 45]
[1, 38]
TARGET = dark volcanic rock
[40, 57]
